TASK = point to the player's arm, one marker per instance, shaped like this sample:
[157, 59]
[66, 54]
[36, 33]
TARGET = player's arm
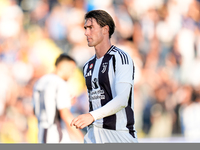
[116, 104]
[63, 105]
[67, 116]
[112, 107]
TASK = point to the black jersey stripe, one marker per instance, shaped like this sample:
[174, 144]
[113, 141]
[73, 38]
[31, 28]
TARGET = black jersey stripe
[89, 71]
[115, 49]
[104, 82]
[121, 57]
[93, 57]
[90, 106]
[130, 119]
[114, 62]
[133, 76]
[126, 57]
[59, 129]
[44, 139]
[85, 66]
[130, 115]
[122, 54]
[130, 98]
[125, 60]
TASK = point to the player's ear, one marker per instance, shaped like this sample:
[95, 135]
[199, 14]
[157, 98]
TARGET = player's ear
[106, 29]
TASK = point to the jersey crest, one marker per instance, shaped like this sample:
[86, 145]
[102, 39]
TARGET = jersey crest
[104, 67]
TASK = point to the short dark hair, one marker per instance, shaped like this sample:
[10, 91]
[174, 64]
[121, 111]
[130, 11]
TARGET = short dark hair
[102, 18]
[62, 57]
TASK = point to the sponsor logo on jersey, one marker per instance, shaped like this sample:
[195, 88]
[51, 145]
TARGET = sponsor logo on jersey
[88, 74]
[99, 94]
[95, 84]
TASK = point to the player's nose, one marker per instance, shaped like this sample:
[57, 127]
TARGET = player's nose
[86, 32]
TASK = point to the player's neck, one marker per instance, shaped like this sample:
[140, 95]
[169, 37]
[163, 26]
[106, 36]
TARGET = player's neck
[59, 73]
[102, 48]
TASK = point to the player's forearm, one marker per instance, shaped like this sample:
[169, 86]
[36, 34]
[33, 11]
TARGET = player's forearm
[66, 116]
[116, 104]
[110, 108]
[75, 134]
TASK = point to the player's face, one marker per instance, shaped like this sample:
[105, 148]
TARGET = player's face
[69, 69]
[93, 32]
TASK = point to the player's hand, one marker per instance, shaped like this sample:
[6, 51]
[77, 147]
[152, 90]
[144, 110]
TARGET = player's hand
[82, 121]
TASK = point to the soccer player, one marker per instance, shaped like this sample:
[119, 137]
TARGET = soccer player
[109, 77]
[52, 102]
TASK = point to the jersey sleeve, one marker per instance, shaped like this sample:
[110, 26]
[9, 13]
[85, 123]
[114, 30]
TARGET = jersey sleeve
[124, 68]
[116, 104]
[85, 69]
[63, 99]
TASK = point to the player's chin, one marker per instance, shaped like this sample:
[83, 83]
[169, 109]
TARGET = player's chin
[90, 44]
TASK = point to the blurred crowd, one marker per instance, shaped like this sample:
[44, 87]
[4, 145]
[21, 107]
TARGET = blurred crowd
[162, 37]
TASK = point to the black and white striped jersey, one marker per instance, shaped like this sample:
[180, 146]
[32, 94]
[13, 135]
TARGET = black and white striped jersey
[102, 76]
[50, 95]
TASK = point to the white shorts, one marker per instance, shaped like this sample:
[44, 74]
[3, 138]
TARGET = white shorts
[100, 135]
[50, 135]
[53, 134]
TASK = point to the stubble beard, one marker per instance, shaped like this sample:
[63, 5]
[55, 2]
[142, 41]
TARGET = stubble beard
[90, 44]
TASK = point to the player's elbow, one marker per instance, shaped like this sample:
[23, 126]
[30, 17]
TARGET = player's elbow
[123, 102]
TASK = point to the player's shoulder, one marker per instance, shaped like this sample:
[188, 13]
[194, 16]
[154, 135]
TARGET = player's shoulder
[114, 50]
[48, 80]
[120, 55]
[89, 61]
